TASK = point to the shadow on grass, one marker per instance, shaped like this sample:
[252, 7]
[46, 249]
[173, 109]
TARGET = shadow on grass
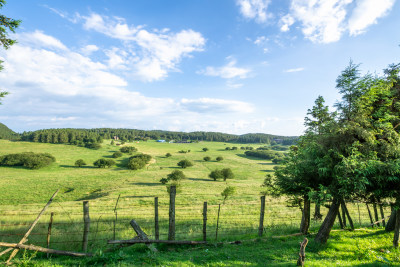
[94, 195]
[268, 170]
[200, 179]
[137, 196]
[248, 157]
[147, 184]
[267, 163]
[75, 167]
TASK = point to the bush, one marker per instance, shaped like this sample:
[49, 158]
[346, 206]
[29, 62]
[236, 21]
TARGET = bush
[219, 158]
[168, 155]
[164, 180]
[205, 149]
[227, 148]
[95, 146]
[182, 151]
[227, 173]
[228, 191]
[117, 154]
[80, 163]
[128, 149]
[207, 158]
[216, 174]
[138, 161]
[264, 154]
[185, 163]
[102, 163]
[29, 160]
[176, 176]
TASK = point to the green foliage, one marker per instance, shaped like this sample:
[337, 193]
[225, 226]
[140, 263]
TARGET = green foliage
[219, 158]
[264, 154]
[80, 163]
[228, 191]
[138, 162]
[205, 149]
[177, 185]
[103, 163]
[29, 160]
[112, 142]
[227, 174]
[164, 180]
[227, 148]
[117, 154]
[182, 151]
[6, 133]
[128, 149]
[185, 163]
[168, 155]
[216, 174]
[207, 158]
[176, 176]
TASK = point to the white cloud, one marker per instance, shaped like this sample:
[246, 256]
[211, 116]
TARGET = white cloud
[325, 21]
[366, 13]
[157, 53]
[39, 39]
[254, 9]
[88, 49]
[229, 71]
[211, 105]
[294, 70]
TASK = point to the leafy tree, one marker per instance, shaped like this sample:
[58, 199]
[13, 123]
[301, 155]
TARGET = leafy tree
[216, 174]
[176, 176]
[207, 158]
[185, 163]
[164, 180]
[205, 149]
[112, 142]
[228, 191]
[168, 155]
[117, 154]
[29, 160]
[128, 149]
[103, 163]
[227, 173]
[138, 161]
[80, 163]
[6, 24]
[219, 158]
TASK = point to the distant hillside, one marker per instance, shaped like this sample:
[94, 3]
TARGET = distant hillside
[76, 136]
[7, 133]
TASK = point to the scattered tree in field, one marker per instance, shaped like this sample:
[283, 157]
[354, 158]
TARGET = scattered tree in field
[185, 163]
[207, 158]
[80, 162]
[29, 160]
[216, 174]
[176, 176]
[228, 191]
[103, 163]
[117, 154]
[164, 180]
[227, 148]
[112, 142]
[138, 161]
[205, 149]
[128, 149]
[168, 155]
[227, 174]
[219, 159]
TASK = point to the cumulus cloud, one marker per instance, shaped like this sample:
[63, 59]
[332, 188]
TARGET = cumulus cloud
[39, 39]
[88, 49]
[325, 21]
[366, 13]
[254, 9]
[229, 71]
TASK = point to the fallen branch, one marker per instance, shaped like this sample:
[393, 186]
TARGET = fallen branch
[44, 250]
[136, 241]
[384, 219]
[302, 253]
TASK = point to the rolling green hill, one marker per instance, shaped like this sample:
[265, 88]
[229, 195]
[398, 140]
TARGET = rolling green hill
[6, 133]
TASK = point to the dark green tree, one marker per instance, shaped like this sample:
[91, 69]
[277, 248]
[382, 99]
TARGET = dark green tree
[185, 163]
[79, 163]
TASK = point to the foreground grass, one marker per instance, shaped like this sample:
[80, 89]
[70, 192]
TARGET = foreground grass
[363, 247]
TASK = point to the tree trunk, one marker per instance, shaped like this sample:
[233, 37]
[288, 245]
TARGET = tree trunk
[396, 229]
[317, 212]
[348, 215]
[343, 214]
[392, 220]
[376, 213]
[305, 219]
[326, 227]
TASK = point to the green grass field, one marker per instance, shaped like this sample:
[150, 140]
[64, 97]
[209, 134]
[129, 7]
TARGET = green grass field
[26, 191]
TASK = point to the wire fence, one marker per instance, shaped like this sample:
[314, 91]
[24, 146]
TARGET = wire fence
[225, 221]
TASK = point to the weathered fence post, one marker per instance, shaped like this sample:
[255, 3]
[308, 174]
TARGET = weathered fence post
[49, 231]
[171, 230]
[156, 225]
[205, 221]
[86, 225]
[370, 216]
[262, 212]
[216, 230]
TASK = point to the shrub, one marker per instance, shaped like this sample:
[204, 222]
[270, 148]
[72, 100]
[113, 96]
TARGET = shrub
[219, 158]
[264, 154]
[228, 191]
[102, 163]
[168, 155]
[185, 163]
[234, 148]
[80, 163]
[95, 146]
[182, 151]
[164, 180]
[138, 161]
[205, 149]
[117, 154]
[227, 148]
[27, 159]
[128, 149]
[176, 176]
[207, 158]
[216, 174]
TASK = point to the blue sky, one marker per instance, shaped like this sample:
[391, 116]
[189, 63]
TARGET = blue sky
[234, 66]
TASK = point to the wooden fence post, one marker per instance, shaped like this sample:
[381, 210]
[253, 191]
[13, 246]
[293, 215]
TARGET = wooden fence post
[376, 213]
[171, 230]
[205, 221]
[370, 216]
[216, 230]
[49, 231]
[262, 211]
[156, 225]
[86, 226]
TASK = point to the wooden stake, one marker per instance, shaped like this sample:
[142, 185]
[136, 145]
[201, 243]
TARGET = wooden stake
[156, 225]
[302, 253]
[49, 231]
[205, 221]
[86, 225]
[262, 212]
[23, 240]
[141, 235]
[171, 230]
[45, 250]
[216, 230]
[370, 216]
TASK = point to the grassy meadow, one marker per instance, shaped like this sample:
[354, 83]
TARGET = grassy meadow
[24, 193]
